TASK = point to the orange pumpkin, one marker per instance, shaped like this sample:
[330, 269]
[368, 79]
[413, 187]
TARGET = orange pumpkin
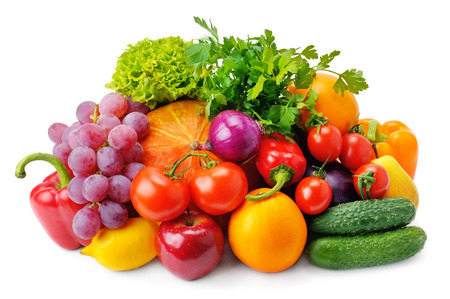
[176, 129]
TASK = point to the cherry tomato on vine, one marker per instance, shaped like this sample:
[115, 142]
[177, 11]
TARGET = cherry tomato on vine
[313, 195]
[356, 150]
[158, 197]
[219, 189]
[371, 181]
[325, 143]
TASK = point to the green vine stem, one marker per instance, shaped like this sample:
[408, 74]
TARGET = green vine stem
[63, 173]
[171, 172]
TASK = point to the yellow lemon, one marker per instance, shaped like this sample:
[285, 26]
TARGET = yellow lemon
[125, 248]
[401, 184]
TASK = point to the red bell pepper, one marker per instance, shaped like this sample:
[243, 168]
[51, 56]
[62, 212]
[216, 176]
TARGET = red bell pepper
[51, 203]
[280, 161]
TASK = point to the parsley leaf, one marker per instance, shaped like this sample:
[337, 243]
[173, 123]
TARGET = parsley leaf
[309, 52]
[212, 29]
[198, 52]
[252, 75]
[351, 80]
[303, 77]
[326, 59]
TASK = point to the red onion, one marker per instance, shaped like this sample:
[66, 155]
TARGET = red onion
[234, 136]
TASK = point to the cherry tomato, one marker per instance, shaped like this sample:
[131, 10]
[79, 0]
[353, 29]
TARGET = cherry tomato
[313, 195]
[156, 196]
[372, 179]
[325, 144]
[356, 151]
[219, 189]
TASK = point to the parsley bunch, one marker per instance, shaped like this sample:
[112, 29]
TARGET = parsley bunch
[253, 76]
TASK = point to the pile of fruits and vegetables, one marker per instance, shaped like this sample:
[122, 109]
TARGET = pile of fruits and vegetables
[229, 140]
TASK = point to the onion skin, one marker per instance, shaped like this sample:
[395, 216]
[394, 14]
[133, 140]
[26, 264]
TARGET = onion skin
[234, 136]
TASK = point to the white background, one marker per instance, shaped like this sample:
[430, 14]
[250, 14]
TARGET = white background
[55, 54]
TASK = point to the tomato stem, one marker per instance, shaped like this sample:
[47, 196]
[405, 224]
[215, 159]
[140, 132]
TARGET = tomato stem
[63, 173]
[320, 172]
[317, 121]
[365, 181]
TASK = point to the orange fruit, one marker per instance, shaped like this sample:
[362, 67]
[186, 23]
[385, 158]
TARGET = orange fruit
[268, 235]
[342, 111]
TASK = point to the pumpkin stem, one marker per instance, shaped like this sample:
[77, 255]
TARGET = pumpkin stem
[194, 145]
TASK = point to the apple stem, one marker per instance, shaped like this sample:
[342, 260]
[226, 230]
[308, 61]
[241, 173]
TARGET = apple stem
[189, 218]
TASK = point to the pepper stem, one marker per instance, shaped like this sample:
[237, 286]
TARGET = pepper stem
[63, 173]
[374, 132]
[281, 177]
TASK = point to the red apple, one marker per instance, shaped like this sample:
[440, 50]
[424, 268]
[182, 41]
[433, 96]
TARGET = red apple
[191, 245]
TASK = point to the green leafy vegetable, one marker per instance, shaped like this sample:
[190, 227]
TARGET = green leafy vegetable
[155, 72]
[252, 75]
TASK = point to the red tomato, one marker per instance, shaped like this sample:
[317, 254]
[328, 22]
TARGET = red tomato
[156, 196]
[356, 151]
[313, 195]
[372, 179]
[325, 144]
[219, 189]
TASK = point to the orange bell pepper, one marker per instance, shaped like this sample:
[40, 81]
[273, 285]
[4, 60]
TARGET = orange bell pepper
[396, 139]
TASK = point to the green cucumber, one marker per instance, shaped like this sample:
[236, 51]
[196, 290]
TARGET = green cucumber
[364, 216]
[366, 250]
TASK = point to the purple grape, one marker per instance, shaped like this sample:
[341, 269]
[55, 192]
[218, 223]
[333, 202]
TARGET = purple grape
[119, 188]
[62, 152]
[86, 223]
[83, 160]
[113, 214]
[74, 189]
[132, 169]
[84, 112]
[109, 161]
[139, 122]
[95, 187]
[113, 103]
[73, 139]
[136, 107]
[91, 135]
[122, 137]
[108, 121]
[66, 134]
[55, 132]
[135, 154]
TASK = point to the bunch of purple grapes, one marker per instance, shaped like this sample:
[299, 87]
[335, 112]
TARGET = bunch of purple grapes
[102, 150]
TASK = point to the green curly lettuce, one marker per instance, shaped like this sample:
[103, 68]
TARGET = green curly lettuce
[155, 72]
